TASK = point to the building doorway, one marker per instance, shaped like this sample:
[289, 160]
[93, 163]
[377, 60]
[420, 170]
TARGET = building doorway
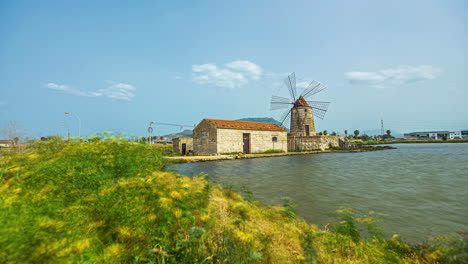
[246, 140]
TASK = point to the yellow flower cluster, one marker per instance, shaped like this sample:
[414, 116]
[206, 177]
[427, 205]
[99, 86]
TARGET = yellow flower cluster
[246, 237]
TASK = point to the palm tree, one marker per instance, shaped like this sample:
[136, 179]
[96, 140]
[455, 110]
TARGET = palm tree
[389, 132]
[356, 133]
[346, 132]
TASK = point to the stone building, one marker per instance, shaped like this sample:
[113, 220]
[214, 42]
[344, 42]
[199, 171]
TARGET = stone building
[213, 136]
[182, 145]
[303, 137]
[302, 119]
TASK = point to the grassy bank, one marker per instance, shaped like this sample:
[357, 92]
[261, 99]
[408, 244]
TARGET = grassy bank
[412, 141]
[113, 202]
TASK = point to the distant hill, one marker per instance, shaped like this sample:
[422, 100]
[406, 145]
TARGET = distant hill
[261, 119]
[185, 133]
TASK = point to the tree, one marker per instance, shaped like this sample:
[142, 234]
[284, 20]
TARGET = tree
[346, 133]
[356, 133]
[389, 133]
[325, 132]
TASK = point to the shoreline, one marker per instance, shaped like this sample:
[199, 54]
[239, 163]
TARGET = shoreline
[191, 159]
[371, 143]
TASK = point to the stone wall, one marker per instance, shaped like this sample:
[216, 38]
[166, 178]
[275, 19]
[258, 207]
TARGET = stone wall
[231, 140]
[205, 138]
[177, 145]
[318, 143]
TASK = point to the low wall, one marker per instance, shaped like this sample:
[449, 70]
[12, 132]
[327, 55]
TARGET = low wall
[318, 143]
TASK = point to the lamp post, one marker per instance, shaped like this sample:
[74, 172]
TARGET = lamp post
[150, 132]
[79, 122]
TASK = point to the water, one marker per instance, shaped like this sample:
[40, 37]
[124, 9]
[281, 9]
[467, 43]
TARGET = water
[422, 189]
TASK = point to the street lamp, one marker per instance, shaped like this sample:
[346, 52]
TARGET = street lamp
[150, 132]
[79, 122]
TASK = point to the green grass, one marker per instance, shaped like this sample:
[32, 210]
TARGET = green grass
[271, 151]
[113, 202]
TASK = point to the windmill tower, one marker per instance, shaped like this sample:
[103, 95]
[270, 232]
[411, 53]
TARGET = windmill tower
[301, 114]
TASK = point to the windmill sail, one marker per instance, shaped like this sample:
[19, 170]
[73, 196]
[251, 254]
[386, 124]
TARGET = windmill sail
[297, 115]
[290, 82]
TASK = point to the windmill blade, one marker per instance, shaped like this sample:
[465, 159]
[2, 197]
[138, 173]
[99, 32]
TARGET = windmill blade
[285, 117]
[279, 106]
[318, 104]
[320, 108]
[313, 88]
[290, 82]
[278, 102]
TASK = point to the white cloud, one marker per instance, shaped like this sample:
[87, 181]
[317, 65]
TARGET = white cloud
[119, 91]
[232, 75]
[393, 77]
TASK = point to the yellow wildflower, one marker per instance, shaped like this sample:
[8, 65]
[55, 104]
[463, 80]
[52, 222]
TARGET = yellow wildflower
[82, 244]
[113, 250]
[177, 213]
[204, 217]
[246, 237]
[300, 257]
[165, 202]
[151, 217]
[175, 195]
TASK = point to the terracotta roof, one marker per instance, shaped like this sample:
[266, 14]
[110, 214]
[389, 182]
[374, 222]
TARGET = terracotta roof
[247, 125]
[301, 101]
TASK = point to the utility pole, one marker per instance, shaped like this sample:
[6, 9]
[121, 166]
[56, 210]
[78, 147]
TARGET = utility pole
[79, 122]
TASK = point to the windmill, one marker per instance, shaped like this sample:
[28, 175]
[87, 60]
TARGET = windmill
[300, 111]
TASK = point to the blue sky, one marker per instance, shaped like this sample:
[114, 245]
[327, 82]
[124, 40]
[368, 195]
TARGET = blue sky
[120, 64]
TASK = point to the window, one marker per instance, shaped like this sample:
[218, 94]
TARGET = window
[274, 139]
[204, 135]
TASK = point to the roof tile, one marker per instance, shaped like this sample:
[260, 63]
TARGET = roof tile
[247, 125]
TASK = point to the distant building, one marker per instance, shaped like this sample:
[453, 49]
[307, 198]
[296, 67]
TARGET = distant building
[438, 135]
[6, 143]
[455, 135]
[212, 136]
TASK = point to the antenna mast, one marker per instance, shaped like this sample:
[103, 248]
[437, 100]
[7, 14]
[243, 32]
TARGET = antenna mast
[381, 127]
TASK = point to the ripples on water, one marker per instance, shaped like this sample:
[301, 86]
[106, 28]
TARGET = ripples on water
[421, 188]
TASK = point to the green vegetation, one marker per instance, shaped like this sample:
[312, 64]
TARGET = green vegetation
[112, 202]
[271, 151]
[412, 141]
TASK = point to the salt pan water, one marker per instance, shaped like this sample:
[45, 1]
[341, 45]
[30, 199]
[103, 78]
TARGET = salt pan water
[421, 189]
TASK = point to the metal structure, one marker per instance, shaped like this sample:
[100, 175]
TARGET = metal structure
[79, 123]
[381, 127]
[150, 128]
[300, 102]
